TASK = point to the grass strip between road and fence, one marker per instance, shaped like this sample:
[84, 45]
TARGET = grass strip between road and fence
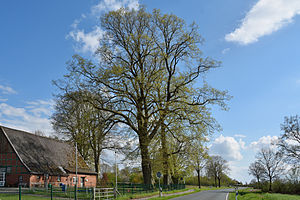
[249, 194]
[151, 194]
[8, 196]
[154, 195]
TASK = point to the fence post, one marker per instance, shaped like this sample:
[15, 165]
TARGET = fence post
[20, 192]
[75, 192]
[94, 193]
[51, 191]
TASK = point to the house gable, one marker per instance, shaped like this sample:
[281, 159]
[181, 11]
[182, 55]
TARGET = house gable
[43, 155]
[28, 159]
[11, 164]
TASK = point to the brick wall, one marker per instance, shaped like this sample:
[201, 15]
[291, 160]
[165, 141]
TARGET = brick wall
[89, 180]
[39, 180]
[16, 172]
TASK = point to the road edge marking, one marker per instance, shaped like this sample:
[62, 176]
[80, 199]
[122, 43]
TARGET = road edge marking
[227, 196]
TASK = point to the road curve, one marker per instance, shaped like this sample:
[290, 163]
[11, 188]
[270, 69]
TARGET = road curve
[206, 195]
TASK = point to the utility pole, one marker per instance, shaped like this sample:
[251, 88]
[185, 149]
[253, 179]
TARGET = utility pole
[99, 170]
[158, 174]
[116, 169]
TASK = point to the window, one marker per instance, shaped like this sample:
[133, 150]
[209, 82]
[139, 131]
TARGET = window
[8, 170]
[20, 179]
[46, 176]
[74, 180]
[58, 179]
[2, 179]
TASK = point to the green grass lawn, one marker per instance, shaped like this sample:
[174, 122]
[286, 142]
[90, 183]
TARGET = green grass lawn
[129, 196]
[248, 195]
[16, 196]
[40, 193]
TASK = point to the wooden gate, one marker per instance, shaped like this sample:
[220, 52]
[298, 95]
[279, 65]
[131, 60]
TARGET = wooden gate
[104, 193]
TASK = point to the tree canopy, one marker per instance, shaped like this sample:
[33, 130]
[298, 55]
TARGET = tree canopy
[150, 68]
[271, 161]
[217, 167]
[289, 142]
[81, 123]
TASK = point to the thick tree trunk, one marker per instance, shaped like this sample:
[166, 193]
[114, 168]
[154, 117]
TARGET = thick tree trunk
[198, 173]
[270, 184]
[97, 165]
[146, 163]
[97, 169]
[165, 155]
[219, 182]
[175, 179]
[216, 181]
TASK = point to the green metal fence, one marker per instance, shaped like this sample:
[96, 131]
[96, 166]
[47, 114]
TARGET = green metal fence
[59, 192]
[88, 193]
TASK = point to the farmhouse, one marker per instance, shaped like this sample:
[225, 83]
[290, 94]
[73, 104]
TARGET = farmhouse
[31, 160]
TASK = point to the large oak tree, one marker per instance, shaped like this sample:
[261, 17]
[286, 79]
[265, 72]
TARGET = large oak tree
[148, 66]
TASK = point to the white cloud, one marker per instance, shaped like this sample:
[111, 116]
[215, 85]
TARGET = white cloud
[88, 41]
[108, 5]
[7, 90]
[264, 18]
[239, 171]
[40, 107]
[228, 148]
[264, 142]
[224, 51]
[239, 153]
[239, 136]
[242, 144]
[30, 118]
[75, 23]
[41, 102]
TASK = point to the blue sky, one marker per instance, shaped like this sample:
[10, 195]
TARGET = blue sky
[257, 42]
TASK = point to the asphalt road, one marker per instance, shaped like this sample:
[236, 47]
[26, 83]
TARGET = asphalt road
[206, 195]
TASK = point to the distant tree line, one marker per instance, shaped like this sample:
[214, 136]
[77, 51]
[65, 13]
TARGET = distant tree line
[277, 169]
[190, 175]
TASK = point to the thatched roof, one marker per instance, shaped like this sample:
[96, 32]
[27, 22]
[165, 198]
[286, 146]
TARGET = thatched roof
[45, 155]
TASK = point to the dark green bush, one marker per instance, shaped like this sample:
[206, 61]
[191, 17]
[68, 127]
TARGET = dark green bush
[282, 186]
